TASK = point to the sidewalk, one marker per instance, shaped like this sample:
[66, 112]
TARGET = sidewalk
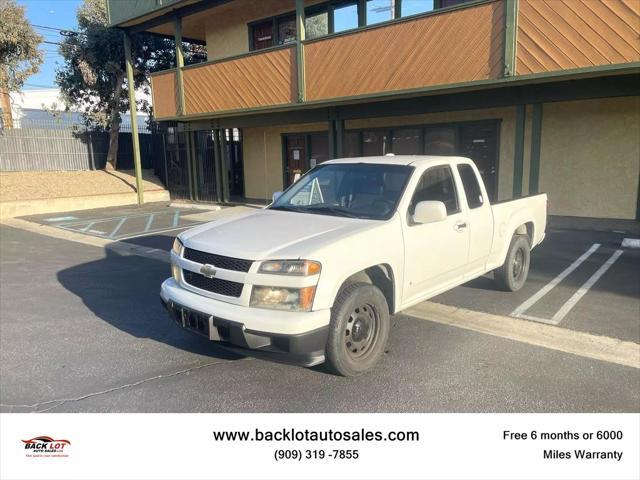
[629, 227]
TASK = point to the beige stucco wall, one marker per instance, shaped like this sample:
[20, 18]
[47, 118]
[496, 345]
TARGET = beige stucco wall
[226, 26]
[590, 157]
[262, 149]
[507, 116]
[262, 156]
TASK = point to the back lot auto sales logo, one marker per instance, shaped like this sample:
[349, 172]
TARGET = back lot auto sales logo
[44, 446]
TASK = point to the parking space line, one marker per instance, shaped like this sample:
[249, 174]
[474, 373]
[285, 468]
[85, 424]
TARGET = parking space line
[88, 227]
[149, 222]
[575, 298]
[536, 319]
[154, 232]
[115, 230]
[176, 217]
[583, 344]
[527, 304]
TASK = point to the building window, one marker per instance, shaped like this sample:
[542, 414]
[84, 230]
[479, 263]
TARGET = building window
[318, 148]
[316, 24]
[413, 7]
[352, 144]
[338, 16]
[440, 141]
[407, 141]
[286, 30]
[262, 35]
[375, 142]
[345, 17]
[379, 11]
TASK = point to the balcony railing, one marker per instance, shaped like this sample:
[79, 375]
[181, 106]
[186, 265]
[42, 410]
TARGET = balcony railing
[455, 46]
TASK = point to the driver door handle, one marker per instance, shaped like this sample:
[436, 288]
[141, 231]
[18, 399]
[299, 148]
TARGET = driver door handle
[460, 226]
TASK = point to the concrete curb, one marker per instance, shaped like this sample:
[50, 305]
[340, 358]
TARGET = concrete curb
[120, 247]
[18, 208]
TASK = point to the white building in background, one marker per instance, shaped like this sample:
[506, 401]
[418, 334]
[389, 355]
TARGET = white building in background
[29, 108]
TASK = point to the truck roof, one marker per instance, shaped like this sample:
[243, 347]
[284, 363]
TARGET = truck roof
[391, 159]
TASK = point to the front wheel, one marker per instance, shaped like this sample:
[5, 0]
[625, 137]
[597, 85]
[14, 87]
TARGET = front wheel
[512, 275]
[358, 331]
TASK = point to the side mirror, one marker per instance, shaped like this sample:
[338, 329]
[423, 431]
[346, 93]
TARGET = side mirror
[275, 196]
[429, 212]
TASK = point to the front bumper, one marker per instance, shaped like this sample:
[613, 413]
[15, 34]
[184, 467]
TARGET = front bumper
[291, 337]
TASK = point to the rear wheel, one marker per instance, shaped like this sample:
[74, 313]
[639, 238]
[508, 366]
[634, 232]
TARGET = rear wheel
[512, 275]
[358, 331]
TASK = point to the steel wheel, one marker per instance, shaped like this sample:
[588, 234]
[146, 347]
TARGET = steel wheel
[361, 331]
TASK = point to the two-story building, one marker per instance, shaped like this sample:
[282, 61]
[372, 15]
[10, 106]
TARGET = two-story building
[544, 95]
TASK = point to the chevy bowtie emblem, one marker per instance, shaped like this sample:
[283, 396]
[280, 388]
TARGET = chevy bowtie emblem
[208, 271]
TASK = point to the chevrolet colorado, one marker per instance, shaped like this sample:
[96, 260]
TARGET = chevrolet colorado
[314, 276]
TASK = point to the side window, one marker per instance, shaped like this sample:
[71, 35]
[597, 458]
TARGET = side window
[436, 184]
[471, 186]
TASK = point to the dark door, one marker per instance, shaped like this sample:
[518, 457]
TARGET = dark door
[479, 142]
[206, 184]
[295, 157]
[262, 34]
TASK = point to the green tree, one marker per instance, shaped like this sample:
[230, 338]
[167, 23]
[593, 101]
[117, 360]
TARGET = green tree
[93, 76]
[19, 54]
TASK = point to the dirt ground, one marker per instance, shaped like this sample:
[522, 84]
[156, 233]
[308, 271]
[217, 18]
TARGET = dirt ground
[39, 185]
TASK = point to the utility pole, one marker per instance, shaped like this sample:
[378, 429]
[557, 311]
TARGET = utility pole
[135, 140]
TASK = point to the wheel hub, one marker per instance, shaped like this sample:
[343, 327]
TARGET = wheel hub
[518, 264]
[361, 330]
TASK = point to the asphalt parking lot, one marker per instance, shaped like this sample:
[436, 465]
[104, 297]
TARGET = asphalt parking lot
[82, 329]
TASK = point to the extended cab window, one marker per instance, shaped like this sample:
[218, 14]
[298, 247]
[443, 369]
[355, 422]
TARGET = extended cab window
[436, 184]
[471, 186]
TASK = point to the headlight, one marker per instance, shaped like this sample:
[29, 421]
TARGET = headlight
[176, 272]
[281, 298]
[290, 267]
[177, 247]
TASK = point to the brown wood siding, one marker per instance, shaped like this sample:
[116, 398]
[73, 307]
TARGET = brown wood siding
[164, 91]
[566, 34]
[257, 80]
[450, 47]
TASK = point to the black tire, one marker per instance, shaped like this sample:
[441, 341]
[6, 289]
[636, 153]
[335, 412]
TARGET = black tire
[512, 275]
[358, 331]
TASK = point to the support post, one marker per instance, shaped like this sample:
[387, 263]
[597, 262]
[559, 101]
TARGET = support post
[536, 140]
[135, 140]
[189, 137]
[339, 126]
[300, 36]
[518, 160]
[331, 129]
[177, 33]
[224, 166]
[510, 37]
[217, 163]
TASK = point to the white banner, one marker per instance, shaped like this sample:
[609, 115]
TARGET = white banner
[310, 446]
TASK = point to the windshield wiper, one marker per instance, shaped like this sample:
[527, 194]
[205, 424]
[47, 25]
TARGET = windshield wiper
[334, 210]
[286, 209]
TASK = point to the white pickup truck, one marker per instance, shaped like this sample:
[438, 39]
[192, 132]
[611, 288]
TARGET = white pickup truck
[314, 276]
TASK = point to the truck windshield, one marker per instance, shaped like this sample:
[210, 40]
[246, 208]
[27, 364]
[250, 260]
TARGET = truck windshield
[356, 190]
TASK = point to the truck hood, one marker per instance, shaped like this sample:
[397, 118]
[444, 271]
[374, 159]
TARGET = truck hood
[265, 234]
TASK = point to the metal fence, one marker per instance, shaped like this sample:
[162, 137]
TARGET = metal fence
[53, 145]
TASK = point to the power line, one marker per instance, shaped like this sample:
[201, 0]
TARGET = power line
[55, 28]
